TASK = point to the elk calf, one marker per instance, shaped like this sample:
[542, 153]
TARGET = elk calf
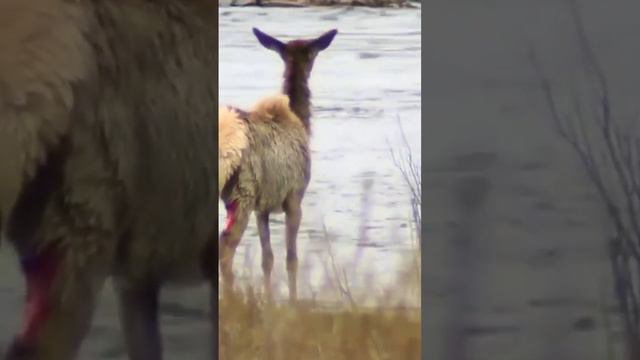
[272, 173]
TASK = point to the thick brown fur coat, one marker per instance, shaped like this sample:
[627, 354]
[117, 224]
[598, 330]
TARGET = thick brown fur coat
[107, 143]
[232, 141]
[117, 99]
[268, 147]
[233, 137]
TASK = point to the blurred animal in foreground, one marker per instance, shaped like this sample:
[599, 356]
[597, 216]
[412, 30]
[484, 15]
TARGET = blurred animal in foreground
[264, 159]
[107, 143]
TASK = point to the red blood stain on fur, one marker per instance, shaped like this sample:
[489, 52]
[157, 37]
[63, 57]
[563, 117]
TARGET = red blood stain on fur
[231, 215]
[39, 272]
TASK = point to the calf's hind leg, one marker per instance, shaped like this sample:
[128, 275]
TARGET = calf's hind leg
[237, 220]
[293, 212]
[262, 220]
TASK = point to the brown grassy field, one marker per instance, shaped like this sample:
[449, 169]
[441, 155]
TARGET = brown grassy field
[253, 328]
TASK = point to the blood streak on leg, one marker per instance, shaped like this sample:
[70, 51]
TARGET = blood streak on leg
[231, 215]
[39, 272]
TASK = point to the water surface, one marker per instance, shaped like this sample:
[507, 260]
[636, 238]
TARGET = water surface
[365, 88]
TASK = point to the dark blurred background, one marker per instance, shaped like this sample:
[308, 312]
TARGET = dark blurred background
[517, 238]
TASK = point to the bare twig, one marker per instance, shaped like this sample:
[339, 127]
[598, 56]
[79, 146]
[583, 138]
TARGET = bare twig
[610, 155]
[411, 173]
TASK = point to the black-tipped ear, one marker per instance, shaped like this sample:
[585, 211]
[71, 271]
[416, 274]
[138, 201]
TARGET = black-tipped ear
[269, 42]
[324, 40]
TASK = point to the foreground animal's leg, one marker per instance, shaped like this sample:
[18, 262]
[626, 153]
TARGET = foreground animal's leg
[293, 211]
[210, 271]
[61, 297]
[262, 220]
[237, 220]
[139, 319]
[213, 304]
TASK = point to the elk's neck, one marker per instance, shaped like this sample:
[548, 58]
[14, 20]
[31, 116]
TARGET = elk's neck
[295, 86]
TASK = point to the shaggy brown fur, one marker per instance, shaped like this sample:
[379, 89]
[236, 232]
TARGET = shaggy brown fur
[274, 170]
[107, 143]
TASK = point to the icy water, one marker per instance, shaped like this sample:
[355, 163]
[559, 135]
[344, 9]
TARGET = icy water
[365, 89]
[363, 86]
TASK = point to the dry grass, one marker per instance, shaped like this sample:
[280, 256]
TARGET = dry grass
[254, 329]
[251, 327]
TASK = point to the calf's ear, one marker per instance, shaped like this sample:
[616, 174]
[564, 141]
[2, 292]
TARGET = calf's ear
[324, 40]
[269, 42]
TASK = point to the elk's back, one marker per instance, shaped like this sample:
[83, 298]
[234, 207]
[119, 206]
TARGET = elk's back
[277, 160]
